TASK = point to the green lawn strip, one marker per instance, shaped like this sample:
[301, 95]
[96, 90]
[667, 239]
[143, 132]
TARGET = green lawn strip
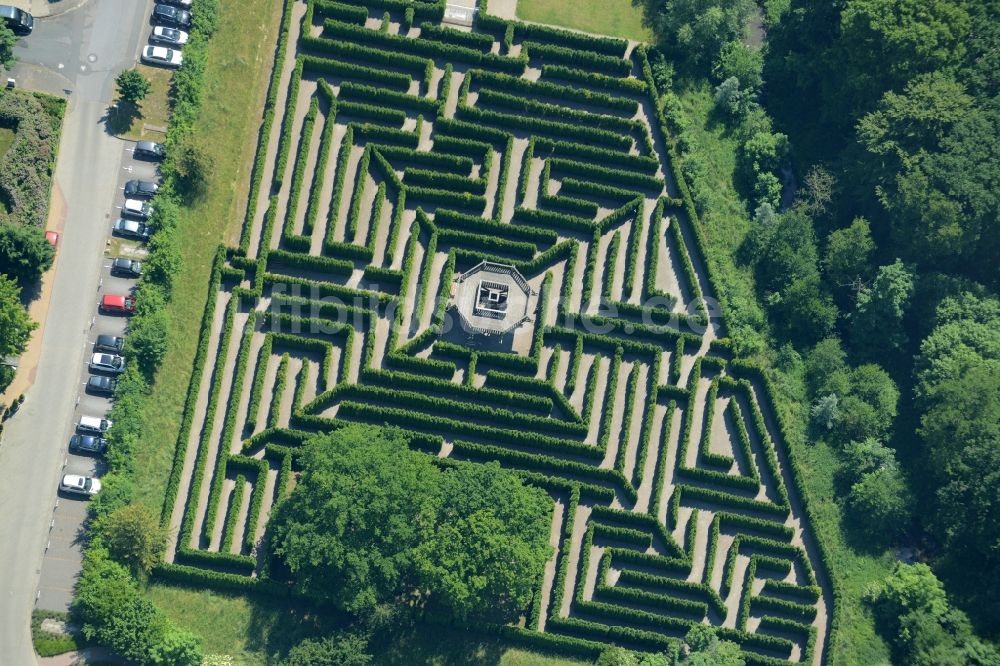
[236, 67]
[620, 18]
[726, 224]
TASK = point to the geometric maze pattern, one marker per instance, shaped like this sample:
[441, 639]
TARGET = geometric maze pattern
[392, 159]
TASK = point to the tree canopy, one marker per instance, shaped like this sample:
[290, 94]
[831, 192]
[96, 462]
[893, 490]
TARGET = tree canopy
[15, 325]
[372, 522]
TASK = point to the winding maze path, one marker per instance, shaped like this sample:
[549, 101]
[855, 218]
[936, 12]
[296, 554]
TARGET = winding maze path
[392, 159]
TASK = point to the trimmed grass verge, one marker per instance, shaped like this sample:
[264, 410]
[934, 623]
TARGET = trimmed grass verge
[153, 109]
[239, 57]
[619, 18]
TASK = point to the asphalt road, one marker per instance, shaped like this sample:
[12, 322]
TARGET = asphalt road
[77, 53]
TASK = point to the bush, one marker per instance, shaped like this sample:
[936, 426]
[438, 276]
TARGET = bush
[133, 86]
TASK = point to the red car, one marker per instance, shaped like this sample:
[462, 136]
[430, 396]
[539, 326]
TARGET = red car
[115, 304]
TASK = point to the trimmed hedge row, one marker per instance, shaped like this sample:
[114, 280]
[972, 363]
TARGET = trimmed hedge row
[383, 77]
[382, 97]
[401, 380]
[513, 84]
[299, 171]
[187, 416]
[440, 33]
[285, 139]
[446, 218]
[281, 379]
[571, 150]
[536, 109]
[605, 64]
[605, 174]
[421, 47]
[594, 135]
[343, 12]
[257, 388]
[444, 180]
[536, 461]
[187, 524]
[628, 86]
[233, 514]
[415, 64]
[228, 427]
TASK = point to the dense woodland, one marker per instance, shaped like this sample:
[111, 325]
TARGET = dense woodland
[868, 159]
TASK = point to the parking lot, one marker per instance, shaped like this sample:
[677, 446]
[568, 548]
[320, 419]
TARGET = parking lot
[63, 552]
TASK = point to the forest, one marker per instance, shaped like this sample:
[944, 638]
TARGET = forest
[867, 157]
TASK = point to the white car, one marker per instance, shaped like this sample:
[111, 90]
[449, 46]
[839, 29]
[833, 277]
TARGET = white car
[112, 363]
[161, 55]
[168, 36]
[80, 485]
[137, 208]
[93, 424]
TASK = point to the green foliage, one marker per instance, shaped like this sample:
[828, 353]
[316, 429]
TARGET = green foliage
[15, 325]
[133, 87]
[740, 61]
[133, 537]
[8, 40]
[881, 503]
[696, 30]
[24, 252]
[877, 321]
[112, 611]
[912, 607]
[849, 254]
[342, 649]
[178, 647]
[147, 341]
[192, 165]
[474, 540]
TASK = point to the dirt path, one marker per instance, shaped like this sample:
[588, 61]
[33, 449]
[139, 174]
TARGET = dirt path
[576, 539]
[194, 436]
[549, 574]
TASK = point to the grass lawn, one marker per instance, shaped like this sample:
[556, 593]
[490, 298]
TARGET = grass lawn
[620, 18]
[152, 110]
[726, 224]
[239, 61]
[250, 629]
[6, 138]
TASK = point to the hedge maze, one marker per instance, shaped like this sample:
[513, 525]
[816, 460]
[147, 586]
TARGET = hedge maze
[398, 152]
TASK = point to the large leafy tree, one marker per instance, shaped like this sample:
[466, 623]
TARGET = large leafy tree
[24, 252]
[350, 530]
[490, 543]
[696, 30]
[15, 325]
[877, 321]
[371, 522]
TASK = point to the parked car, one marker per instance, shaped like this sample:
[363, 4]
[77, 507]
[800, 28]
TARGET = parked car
[172, 16]
[168, 36]
[149, 149]
[137, 208]
[126, 267]
[85, 486]
[161, 55]
[93, 424]
[18, 20]
[109, 343]
[112, 363]
[117, 304]
[183, 4]
[87, 444]
[132, 229]
[101, 385]
[141, 189]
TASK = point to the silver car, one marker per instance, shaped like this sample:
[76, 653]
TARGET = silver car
[112, 363]
[85, 486]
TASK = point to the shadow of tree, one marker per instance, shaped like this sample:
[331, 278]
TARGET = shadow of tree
[120, 117]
